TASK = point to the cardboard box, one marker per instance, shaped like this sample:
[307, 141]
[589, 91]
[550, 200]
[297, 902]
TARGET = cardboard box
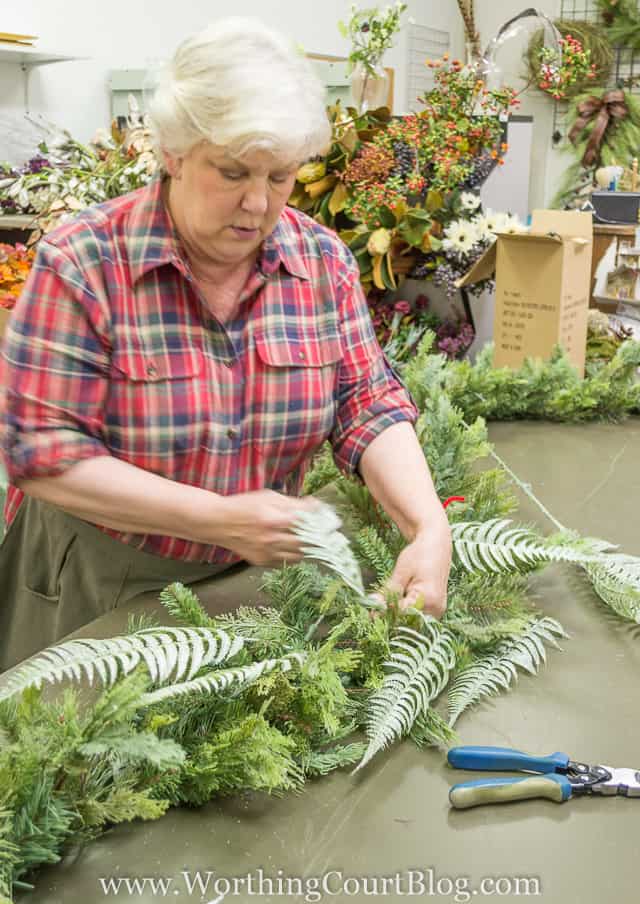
[543, 286]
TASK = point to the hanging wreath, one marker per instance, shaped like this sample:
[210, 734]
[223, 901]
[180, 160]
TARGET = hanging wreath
[587, 60]
[622, 21]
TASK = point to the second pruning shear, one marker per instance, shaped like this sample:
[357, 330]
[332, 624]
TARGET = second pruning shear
[558, 778]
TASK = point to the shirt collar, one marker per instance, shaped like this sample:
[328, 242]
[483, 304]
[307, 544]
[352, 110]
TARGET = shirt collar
[153, 241]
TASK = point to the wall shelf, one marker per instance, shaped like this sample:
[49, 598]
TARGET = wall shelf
[31, 56]
[27, 58]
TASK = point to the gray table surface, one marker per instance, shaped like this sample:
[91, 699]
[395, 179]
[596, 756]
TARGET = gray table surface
[395, 817]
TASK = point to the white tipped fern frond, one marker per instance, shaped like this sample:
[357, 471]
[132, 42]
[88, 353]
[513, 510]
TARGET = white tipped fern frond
[319, 529]
[622, 597]
[166, 653]
[490, 674]
[218, 681]
[419, 669]
[496, 546]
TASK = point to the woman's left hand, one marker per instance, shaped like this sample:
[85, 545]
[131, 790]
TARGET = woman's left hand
[422, 572]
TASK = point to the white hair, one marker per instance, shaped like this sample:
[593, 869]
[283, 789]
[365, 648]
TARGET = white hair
[243, 86]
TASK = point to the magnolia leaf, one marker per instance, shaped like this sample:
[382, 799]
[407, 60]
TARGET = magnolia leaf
[349, 140]
[387, 272]
[338, 199]
[400, 209]
[378, 280]
[434, 201]
[364, 262]
[360, 242]
[315, 189]
[387, 217]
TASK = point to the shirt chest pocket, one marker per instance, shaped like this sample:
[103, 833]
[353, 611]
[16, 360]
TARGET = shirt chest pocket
[295, 410]
[155, 406]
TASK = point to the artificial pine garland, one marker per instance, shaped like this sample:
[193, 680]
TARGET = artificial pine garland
[263, 699]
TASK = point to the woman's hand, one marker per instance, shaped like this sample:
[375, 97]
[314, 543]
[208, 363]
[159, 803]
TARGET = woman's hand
[422, 571]
[258, 526]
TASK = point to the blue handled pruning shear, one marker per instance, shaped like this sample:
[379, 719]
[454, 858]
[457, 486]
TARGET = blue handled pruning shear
[555, 777]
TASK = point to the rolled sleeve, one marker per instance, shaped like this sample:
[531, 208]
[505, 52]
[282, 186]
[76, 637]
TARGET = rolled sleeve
[371, 396]
[53, 372]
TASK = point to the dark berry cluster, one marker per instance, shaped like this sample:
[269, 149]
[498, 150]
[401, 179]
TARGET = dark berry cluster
[445, 278]
[482, 168]
[405, 157]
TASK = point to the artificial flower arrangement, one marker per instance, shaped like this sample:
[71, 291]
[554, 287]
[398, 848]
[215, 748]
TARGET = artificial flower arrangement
[560, 69]
[15, 264]
[402, 191]
[371, 32]
[401, 325]
[68, 176]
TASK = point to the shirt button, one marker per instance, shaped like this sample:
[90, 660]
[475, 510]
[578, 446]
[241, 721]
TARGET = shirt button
[229, 363]
[151, 370]
[300, 354]
[231, 433]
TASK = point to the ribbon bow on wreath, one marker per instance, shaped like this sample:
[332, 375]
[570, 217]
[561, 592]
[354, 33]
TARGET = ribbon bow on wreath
[606, 109]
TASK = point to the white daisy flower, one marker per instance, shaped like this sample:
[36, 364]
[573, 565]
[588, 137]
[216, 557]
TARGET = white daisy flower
[460, 236]
[512, 224]
[469, 201]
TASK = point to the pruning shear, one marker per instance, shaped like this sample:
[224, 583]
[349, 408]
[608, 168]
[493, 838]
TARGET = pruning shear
[558, 778]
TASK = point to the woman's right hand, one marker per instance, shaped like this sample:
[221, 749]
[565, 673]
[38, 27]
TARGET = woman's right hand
[258, 526]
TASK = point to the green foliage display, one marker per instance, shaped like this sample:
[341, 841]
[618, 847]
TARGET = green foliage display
[622, 22]
[549, 390]
[265, 699]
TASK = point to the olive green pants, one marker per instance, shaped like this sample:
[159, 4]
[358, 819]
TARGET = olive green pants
[57, 573]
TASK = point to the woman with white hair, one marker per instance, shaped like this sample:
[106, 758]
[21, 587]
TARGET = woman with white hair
[178, 355]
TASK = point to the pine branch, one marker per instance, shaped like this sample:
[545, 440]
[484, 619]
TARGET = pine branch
[184, 605]
[123, 747]
[323, 471]
[431, 730]
[326, 761]
[374, 552]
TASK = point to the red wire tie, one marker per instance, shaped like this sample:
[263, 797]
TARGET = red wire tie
[453, 499]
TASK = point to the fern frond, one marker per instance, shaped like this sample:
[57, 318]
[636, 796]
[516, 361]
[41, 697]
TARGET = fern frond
[319, 530]
[165, 652]
[419, 668]
[490, 674]
[218, 681]
[623, 598]
[497, 547]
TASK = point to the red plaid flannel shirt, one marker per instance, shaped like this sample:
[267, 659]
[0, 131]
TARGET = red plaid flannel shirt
[111, 350]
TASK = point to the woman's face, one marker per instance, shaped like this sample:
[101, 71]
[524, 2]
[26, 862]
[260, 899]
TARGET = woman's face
[224, 207]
